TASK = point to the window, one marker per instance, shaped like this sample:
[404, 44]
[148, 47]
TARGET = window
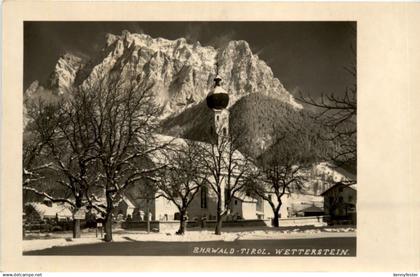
[236, 202]
[217, 118]
[204, 197]
[224, 131]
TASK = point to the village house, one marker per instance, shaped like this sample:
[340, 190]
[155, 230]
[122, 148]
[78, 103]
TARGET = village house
[47, 210]
[297, 208]
[309, 201]
[340, 202]
[306, 207]
[203, 205]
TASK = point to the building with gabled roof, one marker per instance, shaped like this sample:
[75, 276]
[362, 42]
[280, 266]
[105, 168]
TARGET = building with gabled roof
[203, 205]
[340, 202]
[35, 211]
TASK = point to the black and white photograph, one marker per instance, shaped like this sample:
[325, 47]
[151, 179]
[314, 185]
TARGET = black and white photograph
[189, 138]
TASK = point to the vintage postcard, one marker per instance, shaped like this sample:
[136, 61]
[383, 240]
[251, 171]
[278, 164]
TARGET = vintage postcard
[203, 132]
[180, 134]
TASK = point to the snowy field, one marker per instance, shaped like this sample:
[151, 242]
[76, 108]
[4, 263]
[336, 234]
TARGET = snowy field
[192, 236]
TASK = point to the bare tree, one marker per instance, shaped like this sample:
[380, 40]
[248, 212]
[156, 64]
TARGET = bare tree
[338, 114]
[337, 111]
[39, 130]
[282, 168]
[180, 180]
[227, 170]
[99, 138]
[122, 122]
[58, 139]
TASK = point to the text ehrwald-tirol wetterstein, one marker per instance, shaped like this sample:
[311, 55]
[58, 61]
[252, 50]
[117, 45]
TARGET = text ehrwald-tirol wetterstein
[271, 252]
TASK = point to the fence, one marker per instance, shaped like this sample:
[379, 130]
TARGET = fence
[169, 226]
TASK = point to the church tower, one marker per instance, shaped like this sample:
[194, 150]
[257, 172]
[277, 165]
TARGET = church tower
[218, 100]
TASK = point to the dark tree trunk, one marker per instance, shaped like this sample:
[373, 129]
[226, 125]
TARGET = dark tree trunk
[108, 228]
[76, 228]
[219, 218]
[218, 230]
[147, 216]
[108, 218]
[276, 218]
[182, 223]
[76, 222]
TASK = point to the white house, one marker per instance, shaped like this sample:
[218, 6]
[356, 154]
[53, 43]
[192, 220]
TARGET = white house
[35, 211]
[203, 205]
[340, 202]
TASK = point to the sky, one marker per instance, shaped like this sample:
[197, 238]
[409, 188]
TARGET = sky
[305, 56]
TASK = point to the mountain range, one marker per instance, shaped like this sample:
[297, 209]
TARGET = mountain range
[181, 75]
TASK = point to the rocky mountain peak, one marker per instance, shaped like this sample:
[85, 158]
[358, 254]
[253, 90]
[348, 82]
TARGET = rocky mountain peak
[180, 73]
[62, 78]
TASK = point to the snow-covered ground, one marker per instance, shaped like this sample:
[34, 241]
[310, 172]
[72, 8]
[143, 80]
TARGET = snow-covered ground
[193, 236]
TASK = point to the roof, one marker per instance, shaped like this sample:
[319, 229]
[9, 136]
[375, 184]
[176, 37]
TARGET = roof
[327, 167]
[129, 203]
[161, 156]
[125, 197]
[244, 198]
[349, 185]
[43, 210]
[338, 175]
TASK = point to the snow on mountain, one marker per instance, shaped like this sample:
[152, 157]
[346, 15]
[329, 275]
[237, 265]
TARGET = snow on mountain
[181, 74]
[65, 72]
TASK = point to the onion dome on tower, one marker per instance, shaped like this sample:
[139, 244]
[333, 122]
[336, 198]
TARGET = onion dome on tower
[218, 98]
